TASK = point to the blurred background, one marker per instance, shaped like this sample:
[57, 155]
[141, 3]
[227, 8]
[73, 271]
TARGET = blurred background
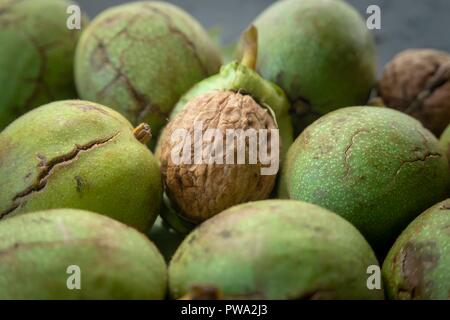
[404, 23]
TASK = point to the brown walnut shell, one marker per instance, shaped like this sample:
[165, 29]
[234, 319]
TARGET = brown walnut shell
[199, 191]
[417, 82]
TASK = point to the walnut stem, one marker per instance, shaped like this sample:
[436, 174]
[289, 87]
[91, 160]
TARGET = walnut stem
[250, 47]
[143, 133]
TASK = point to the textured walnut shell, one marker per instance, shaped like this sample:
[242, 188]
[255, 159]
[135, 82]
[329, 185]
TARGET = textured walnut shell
[417, 82]
[200, 191]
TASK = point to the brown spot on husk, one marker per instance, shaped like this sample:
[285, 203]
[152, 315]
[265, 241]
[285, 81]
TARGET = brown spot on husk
[79, 181]
[87, 107]
[225, 234]
[203, 292]
[445, 206]
[416, 260]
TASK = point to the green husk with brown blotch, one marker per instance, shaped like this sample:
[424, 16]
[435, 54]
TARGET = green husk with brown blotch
[418, 265]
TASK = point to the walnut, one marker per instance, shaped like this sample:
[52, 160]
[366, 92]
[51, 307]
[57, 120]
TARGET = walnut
[417, 82]
[199, 191]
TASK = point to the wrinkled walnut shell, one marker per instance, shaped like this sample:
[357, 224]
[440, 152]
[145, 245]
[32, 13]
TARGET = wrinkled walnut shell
[417, 82]
[200, 191]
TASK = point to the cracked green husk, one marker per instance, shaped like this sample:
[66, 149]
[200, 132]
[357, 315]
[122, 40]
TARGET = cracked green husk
[139, 58]
[78, 154]
[376, 167]
[418, 265]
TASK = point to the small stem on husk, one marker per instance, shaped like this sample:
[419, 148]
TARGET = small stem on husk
[143, 133]
[250, 47]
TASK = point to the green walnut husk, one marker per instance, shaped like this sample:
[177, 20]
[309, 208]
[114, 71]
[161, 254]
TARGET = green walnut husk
[139, 58]
[36, 55]
[319, 52]
[445, 141]
[274, 249]
[114, 261]
[78, 154]
[418, 265]
[376, 167]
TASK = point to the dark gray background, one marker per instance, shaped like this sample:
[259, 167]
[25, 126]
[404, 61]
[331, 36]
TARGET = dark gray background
[404, 23]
